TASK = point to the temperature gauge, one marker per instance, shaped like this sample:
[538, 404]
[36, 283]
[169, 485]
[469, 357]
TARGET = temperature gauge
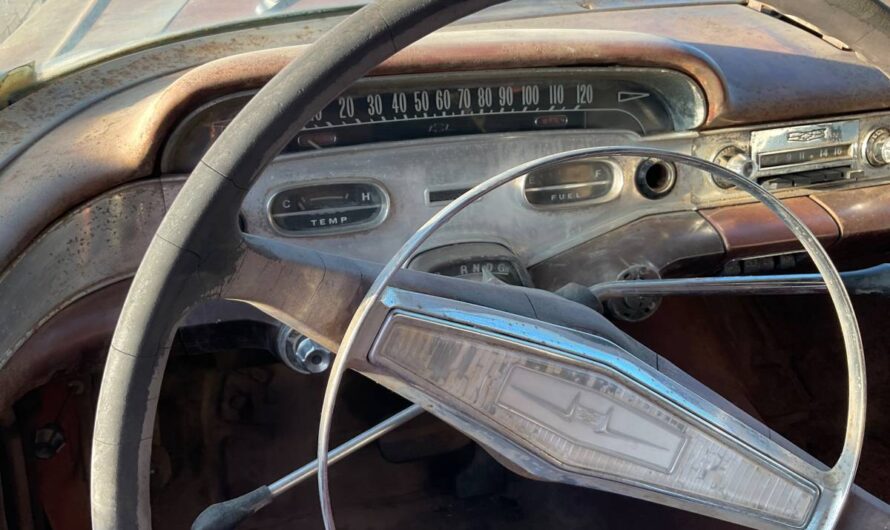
[315, 209]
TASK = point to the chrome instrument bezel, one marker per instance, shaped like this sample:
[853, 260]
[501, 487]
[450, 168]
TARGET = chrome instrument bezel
[682, 97]
[378, 219]
[617, 185]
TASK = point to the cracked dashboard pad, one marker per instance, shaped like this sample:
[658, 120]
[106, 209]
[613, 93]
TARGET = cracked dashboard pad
[585, 418]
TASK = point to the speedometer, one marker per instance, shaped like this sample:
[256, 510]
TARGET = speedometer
[406, 107]
[498, 104]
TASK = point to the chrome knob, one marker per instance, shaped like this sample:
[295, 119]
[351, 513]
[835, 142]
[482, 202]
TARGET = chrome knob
[877, 147]
[300, 353]
[736, 160]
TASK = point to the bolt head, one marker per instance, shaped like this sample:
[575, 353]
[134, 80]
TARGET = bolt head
[312, 357]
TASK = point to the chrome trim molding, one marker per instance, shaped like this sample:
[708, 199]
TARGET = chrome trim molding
[572, 348]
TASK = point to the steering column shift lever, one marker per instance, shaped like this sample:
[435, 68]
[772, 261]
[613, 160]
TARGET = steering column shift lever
[229, 514]
[874, 280]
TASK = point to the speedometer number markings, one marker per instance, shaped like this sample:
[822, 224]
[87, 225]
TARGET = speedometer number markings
[585, 94]
[473, 108]
[347, 107]
[479, 101]
[409, 107]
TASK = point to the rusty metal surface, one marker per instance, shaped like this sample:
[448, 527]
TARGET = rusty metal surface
[860, 24]
[863, 216]
[754, 69]
[774, 71]
[82, 158]
[752, 230]
[76, 337]
[100, 243]
[35, 115]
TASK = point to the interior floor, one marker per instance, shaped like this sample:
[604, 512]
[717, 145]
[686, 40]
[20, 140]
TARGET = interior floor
[782, 359]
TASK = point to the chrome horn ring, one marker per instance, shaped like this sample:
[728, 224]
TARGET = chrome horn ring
[834, 484]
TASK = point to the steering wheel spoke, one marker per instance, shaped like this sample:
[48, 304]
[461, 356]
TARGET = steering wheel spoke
[313, 292]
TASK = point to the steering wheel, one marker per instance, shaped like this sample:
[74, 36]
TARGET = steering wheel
[548, 386]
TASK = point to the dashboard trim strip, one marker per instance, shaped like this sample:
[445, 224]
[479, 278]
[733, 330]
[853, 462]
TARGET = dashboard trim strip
[752, 230]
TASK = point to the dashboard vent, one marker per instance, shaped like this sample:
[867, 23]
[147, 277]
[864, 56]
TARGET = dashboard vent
[568, 184]
[445, 195]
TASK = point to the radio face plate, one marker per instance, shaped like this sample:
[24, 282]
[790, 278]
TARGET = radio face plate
[792, 149]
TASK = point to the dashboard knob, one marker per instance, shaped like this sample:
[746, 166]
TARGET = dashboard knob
[300, 353]
[736, 160]
[877, 147]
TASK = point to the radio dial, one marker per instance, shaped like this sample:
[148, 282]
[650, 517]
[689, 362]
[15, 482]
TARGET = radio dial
[736, 160]
[877, 147]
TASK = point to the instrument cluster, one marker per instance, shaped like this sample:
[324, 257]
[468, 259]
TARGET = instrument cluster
[412, 107]
[378, 161]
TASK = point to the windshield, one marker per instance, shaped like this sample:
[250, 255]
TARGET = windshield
[48, 32]
[59, 34]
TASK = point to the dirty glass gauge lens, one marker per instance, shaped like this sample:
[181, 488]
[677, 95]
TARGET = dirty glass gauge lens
[574, 183]
[395, 108]
[194, 136]
[475, 262]
[587, 419]
[328, 208]
[476, 270]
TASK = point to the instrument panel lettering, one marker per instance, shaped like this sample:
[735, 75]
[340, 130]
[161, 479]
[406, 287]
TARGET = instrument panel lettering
[323, 208]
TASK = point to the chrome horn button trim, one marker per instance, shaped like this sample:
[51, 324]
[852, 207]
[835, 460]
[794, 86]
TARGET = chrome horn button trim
[587, 412]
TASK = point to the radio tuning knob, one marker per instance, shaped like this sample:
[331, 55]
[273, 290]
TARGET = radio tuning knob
[877, 148]
[736, 160]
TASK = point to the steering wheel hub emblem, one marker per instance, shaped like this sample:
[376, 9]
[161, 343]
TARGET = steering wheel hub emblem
[592, 419]
[578, 409]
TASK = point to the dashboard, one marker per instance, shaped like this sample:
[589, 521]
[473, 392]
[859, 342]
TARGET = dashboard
[369, 198]
[90, 165]
[382, 158]
[807, 120]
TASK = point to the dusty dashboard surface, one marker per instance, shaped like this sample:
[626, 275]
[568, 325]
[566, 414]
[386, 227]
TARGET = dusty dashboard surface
[383, 157]
[736, 86]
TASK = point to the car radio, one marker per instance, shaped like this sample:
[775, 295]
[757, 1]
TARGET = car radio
[805, 148]
[811, 154]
